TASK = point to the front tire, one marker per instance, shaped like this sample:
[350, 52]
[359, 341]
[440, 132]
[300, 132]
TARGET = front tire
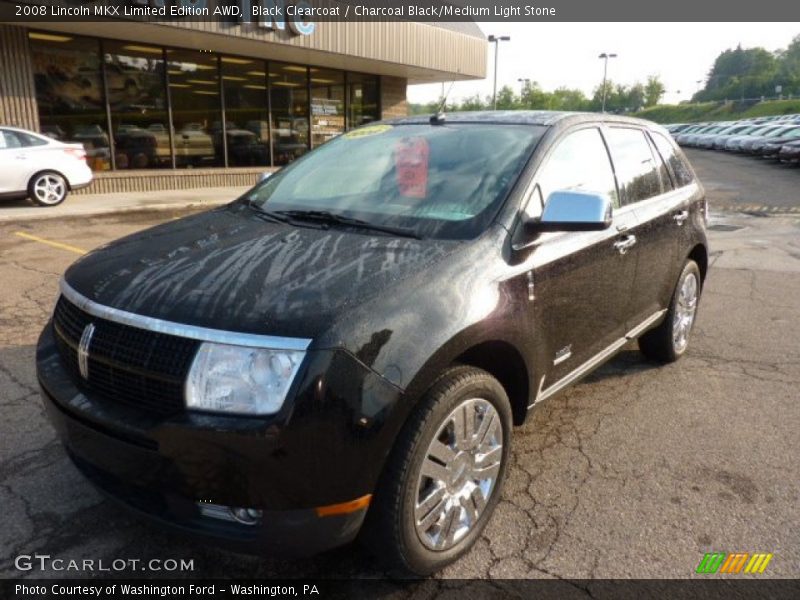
[668, 342]
[444, 476]
[48, 188]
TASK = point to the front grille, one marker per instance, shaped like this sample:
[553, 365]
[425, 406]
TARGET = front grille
[133, 366]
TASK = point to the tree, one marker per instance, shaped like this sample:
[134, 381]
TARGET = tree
[653, 91]
[567, 99]
[472, 103]
[507, 99]
[788, 76]
[533, 97]
[741, 73]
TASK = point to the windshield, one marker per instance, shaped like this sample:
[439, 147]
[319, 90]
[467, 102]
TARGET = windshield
[437, 181]
[779, 131]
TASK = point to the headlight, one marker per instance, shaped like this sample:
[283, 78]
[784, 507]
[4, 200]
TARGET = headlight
[238, 379]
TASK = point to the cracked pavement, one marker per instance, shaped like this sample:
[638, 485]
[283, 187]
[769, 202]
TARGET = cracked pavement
[635, 472]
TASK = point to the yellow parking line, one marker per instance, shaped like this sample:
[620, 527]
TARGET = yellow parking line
[59, 245]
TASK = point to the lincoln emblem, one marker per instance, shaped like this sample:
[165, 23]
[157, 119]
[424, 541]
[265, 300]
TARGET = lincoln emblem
[83, 350]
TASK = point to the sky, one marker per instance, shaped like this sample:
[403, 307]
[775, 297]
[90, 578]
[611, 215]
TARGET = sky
[565, 54]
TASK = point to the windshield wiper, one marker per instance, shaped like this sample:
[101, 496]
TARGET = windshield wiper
[323, 216]
[268, 214]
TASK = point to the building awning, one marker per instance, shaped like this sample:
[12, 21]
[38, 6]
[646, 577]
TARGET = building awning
[417, 51]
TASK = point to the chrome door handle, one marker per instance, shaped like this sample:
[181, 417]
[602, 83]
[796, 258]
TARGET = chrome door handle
[681, 217]
[625, 243]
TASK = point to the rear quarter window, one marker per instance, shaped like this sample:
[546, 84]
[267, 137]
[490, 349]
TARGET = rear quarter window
[680, 170]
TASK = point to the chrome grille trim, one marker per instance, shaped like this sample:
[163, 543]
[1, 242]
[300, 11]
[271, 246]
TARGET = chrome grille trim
[203, 334]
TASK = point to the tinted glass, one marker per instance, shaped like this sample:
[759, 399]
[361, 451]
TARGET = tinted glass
[69, 93]
[28, 140]
[289, 97]
[635, 166]
[327, 105]
[362, 96]
[661, 166]
[680, 170]
[440, 181]
[196, 108]
[138, 99]
[247, 129]
[579, 162]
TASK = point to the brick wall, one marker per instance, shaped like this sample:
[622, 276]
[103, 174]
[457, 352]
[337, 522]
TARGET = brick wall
[393, 97]
[166, 179]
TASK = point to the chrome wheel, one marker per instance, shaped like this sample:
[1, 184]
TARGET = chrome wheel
[459, 474]
[49, 188]
[685, 310]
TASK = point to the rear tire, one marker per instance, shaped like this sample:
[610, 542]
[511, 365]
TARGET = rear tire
[669, 341]
[440, 487]
[48, 188]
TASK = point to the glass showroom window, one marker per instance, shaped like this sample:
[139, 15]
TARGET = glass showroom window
[196, 108]
[289, 98]
[137, 99]
[246, 117]
[327, 105]
[69, 93]
[362, 99]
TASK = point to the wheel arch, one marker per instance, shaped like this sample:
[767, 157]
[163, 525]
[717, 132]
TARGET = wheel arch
[699, 254]
[504, 362]
[42, 171]
[499, 355]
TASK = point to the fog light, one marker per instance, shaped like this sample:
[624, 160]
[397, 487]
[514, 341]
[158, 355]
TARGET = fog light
[245, 516]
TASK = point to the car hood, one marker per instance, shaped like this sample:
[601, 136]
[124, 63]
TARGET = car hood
[229, 269]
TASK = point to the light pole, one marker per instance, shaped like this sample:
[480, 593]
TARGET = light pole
[605, 58]
[496, 41]
[524, 81]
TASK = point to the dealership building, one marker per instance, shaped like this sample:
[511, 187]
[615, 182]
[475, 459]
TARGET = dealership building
[181, 104]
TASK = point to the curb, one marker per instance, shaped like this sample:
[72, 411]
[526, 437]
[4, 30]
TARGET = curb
[110, 210]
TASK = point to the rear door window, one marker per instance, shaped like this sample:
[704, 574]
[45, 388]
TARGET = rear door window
[634, 163]
[680, 170]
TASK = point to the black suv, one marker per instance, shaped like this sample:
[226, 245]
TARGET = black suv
[343, 350]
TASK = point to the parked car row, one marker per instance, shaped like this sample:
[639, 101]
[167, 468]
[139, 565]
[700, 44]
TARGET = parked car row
[776, 138]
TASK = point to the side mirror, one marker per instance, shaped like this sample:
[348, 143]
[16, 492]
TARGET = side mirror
[569, 210]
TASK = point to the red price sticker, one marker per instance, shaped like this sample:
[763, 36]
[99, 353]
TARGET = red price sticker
[411, 166]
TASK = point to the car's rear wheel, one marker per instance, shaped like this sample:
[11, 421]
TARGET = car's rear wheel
[444, 476]
[48, 188]
[668, 341]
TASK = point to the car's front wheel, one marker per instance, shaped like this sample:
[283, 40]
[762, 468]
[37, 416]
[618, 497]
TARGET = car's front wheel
[444, 476]
[48, 188]
[668, 341]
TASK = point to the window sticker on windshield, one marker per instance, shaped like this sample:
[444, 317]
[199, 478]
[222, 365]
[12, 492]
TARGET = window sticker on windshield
[366, 131]
[411, 166]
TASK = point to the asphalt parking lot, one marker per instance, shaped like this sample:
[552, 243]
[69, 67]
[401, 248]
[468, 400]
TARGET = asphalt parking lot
[635, 472]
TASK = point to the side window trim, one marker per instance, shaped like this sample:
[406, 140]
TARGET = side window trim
[603, 128]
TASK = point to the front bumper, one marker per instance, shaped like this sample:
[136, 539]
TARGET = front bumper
[327, 450]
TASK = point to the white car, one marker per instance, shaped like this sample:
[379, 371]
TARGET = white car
[43, 169]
